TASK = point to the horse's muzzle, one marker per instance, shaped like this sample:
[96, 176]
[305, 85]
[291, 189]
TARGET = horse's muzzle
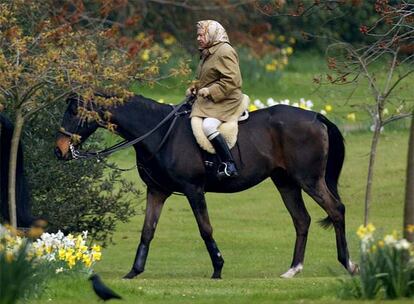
[59, 154]
[62, 148]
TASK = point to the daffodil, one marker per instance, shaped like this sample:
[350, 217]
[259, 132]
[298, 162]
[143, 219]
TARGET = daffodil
[96, 248]
[328, 108]
[351, 117]
[252, 108]
[270, 67]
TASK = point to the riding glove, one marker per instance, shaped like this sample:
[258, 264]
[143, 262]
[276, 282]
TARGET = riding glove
[204, 92]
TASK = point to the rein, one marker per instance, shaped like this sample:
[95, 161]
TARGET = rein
[76, 154]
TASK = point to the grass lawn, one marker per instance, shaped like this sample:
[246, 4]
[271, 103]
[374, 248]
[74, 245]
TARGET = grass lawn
[253, 229]
[256, 236]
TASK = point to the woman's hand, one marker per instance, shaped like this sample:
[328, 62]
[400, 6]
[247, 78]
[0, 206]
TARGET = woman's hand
[190, 91]
[204, 92]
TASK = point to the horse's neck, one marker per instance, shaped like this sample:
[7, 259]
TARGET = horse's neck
[138, 117]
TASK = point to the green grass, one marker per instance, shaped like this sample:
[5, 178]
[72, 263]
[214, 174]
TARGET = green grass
[256, 236]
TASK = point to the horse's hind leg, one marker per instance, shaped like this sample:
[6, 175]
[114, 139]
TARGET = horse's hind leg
[319, 191]
[292, 197]
[155, 202]
[197, 202]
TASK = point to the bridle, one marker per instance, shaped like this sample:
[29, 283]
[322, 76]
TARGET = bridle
[76, 154]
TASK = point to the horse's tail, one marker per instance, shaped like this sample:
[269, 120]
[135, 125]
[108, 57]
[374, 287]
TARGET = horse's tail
[336, 156]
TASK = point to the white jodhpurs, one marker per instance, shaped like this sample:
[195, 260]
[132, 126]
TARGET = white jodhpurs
[210, 126]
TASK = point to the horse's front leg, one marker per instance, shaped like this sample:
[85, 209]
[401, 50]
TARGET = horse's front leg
[155, 202]
[197, 202]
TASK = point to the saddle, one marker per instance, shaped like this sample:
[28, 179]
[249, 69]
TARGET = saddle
[228, 130]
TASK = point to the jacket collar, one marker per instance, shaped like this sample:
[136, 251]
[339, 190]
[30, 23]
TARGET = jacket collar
[215, 47]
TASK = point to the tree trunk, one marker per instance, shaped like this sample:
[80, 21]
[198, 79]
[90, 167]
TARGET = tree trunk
[372, 156]
[409, 189]
[14, 147]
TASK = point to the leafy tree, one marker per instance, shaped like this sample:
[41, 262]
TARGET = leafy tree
[49, 49]
[384, 54]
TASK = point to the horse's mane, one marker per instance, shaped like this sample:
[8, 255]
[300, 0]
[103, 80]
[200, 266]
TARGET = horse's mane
[145, 103]
[150, 104]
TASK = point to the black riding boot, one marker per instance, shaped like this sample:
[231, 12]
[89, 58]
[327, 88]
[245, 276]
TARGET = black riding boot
[227, 167]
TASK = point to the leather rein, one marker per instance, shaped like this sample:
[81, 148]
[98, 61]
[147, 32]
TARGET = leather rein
[76, 154]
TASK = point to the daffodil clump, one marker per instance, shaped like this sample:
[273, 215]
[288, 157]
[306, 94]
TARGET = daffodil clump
[10, 244]
[21, 275]
[67, 252]
[62, 252]
[386, 266]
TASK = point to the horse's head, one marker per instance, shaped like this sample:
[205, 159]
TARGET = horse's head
[75, 128]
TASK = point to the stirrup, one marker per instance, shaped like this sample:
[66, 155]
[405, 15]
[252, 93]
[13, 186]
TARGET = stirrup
[223, 171]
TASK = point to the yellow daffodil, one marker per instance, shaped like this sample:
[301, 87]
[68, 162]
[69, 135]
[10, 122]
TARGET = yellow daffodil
[96, 256]
[71, 261]
[88, 262]
[271, 67]
[96, 248]
[370, 228]
[79, 255]
[351, 117]
[289, 50]
[362, 231]
[169, 40]
[252, 108]
[328, 108]
[62, 254]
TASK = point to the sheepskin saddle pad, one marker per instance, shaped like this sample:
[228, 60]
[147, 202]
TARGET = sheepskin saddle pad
[227, 129]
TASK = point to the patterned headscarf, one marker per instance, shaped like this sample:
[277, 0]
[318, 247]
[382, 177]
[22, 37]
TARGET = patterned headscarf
[214, 32]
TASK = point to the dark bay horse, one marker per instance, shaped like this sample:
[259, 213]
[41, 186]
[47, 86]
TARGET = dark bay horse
[298, 149]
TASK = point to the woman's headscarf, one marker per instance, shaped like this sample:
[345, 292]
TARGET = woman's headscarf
[214, 32]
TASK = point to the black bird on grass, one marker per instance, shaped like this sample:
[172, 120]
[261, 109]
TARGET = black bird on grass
[101, 290]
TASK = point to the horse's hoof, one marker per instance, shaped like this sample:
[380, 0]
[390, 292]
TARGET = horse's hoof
[353, 269]
[292, 272]
[216, 276]
[132, 274]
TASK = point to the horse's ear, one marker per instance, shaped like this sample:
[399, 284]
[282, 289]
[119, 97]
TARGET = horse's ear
[72, 97]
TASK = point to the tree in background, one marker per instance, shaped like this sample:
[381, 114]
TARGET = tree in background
[408, 224]
[49, 49]
[387, 53]
[387, 48]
